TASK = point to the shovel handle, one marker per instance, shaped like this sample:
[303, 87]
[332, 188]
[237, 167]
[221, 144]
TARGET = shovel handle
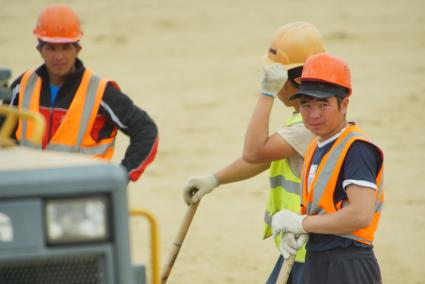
[178, 242]
[285, 271]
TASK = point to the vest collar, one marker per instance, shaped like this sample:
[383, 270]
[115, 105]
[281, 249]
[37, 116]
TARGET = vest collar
[333, 138]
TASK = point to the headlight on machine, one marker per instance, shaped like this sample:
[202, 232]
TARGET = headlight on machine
[77, 220]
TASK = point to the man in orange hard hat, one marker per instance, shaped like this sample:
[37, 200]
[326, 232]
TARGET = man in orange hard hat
[342, 193]
[290, 46]
[82, 110]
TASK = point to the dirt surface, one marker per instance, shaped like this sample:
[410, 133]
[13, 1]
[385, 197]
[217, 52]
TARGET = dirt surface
[195, 67]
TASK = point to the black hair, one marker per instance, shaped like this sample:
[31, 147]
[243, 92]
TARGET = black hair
[41, 43]
[295, 73]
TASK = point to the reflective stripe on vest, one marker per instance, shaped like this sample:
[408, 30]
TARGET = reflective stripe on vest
[319, 197]
[284, 192]
[288, 185]
[30, 84]
[94, 150]
[74, 133]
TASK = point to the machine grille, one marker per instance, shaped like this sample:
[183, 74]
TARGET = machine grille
[70, 270]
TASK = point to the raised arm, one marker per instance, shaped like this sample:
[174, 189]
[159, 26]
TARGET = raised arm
[259, 147]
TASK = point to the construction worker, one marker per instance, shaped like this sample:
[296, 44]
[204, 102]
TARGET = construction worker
[82, 110]
[291, 45]
[342, 194]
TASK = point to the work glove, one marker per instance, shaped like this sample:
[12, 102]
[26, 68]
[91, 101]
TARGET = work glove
[290, 244]
[275, 76]
[287, 221]
[197, 187]
[302, 239]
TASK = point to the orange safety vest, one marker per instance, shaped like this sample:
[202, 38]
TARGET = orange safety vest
[73, 134]
[318, 199]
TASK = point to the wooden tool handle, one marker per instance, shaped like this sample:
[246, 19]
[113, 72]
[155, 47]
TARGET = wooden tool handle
[285, 270]
[178, 242]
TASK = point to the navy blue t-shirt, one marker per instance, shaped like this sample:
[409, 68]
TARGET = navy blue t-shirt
[360, 167]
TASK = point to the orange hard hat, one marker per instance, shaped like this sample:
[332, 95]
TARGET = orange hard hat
[326, 68]
[293, 43]
[58, 24]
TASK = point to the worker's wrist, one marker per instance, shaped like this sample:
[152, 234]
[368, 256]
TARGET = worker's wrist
[304, 223]
[268, 94]
[216, 179]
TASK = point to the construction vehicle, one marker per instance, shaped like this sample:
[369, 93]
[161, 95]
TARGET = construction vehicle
[64, 217]
[5, 74]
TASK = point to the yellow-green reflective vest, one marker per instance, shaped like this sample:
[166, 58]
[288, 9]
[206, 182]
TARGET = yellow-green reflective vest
[285, 192]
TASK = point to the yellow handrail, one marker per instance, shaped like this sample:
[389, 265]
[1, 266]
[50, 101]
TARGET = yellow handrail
[11, 115]
[154, 242]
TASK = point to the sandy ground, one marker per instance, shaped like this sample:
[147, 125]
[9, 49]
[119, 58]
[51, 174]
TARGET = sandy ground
[194, 66]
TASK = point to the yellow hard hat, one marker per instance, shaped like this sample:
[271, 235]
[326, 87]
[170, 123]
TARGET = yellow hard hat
[293, 43]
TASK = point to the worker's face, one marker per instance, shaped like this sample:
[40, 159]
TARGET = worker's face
[59, 58]
[323, 117]
[286, 92]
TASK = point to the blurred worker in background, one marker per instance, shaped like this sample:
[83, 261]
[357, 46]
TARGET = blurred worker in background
[5, 74]
[82, 110]
[291, 45]
[342, 194]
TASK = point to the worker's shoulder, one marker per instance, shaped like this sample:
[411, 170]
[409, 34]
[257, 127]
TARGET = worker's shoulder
[364, 152]
[115, 98]
[366, 147]
[296, 133]
[296, 136]
[113, 89]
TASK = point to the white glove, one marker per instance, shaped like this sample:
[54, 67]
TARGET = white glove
[275, 76]
[286, 221]
[290, 244]
[197, 187]
[302, 239]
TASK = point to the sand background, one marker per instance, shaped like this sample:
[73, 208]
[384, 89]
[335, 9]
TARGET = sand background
[195, 67]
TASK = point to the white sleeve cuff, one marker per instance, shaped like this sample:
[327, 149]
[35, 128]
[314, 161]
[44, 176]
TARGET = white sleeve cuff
[364, 183]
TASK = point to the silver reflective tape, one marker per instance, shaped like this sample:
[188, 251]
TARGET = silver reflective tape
[378, 207]
[88, 107]
[353, 237]
[267, 218]
[323, 178]
[27, 143]
[95, 150]
[289, 186]
[32, 79]
[113, 115]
